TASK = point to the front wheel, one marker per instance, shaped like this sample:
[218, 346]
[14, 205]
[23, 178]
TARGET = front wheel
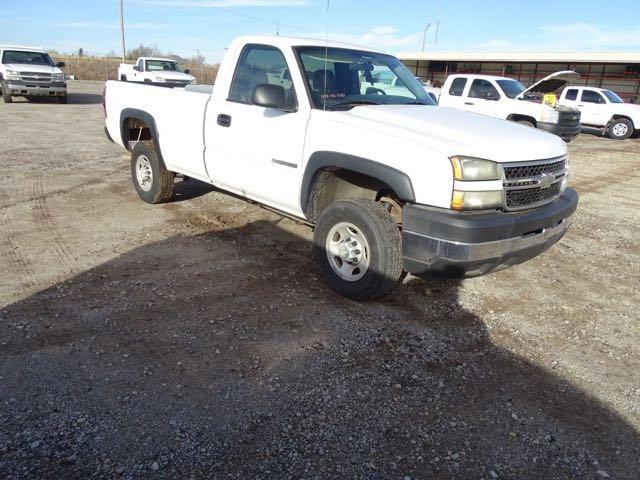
[6, 96]
[357, 248]
[620, 129]
[151, 179]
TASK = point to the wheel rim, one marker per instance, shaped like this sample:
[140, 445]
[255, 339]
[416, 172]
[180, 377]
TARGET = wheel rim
[620, 129]
[348, 251]
[144, 173]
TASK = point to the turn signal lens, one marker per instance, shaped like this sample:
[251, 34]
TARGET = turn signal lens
[476, 200]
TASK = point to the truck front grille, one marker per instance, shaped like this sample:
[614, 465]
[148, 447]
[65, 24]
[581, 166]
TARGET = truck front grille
[530, 184]
[526, 197]
[35, 77]
[569, 119]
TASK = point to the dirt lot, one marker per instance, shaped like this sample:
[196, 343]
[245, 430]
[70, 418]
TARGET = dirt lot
[194, 339]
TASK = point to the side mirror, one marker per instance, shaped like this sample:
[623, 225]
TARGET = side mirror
[492, 96]
[137, 68]
[270, 96]
[61, 64]
[187, 71]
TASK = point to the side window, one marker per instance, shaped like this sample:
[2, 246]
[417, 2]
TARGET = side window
[590, 96]
[483, 89]
[457, 87]
[572, 94]
[257, 65]
[140, 62]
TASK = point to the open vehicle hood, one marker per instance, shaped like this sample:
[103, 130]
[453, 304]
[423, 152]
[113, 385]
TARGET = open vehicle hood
[551, 83]
[28, 67]
[455, 132]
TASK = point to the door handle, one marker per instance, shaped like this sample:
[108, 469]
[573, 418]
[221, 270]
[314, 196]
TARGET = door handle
[581, 105]
[224, 120]
[469, 103]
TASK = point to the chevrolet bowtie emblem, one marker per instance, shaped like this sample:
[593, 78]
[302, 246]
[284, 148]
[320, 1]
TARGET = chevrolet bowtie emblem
[545, 180]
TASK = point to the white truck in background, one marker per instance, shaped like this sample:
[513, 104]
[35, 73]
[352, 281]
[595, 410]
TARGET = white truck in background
[164, 72]
[603, 109]
[508, 99]
[390, 182]
[30, 72]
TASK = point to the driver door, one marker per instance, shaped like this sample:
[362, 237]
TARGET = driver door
[593, 107]
[257, 151]
[482, 98]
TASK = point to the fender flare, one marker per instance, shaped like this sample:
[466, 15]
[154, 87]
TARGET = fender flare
[145, 117]
[398, 181]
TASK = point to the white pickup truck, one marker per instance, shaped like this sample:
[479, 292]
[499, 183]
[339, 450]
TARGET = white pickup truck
[602, 108]
[505, 98]
[164, 72]
[30, 72]
[390, 183]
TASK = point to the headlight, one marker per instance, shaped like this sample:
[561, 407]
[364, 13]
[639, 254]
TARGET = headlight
[549, 116]
[476, 200]
[470, 169]
[160, 80]
[57, 77]
[194, 81]
[13, 75]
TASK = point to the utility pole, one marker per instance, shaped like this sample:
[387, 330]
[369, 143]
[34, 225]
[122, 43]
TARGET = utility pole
[124, 49]
[435, 43]
[424, 37]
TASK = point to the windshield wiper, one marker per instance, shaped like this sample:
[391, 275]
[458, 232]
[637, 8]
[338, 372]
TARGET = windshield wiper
[355, 103]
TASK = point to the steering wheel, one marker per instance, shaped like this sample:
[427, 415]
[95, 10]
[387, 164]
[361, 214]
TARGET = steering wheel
[374, 91]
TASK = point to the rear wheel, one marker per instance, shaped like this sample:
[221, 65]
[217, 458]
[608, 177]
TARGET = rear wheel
[151, 179]
[620, 129]
[357, 248]
[123, 78]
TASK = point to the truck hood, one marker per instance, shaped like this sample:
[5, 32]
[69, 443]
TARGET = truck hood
[455, 132]
[27, 67]
[173, 76]
[552, 82]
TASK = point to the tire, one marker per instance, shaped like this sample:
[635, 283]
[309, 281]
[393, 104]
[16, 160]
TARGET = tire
[6, 96]
[151, 179]
[377, 252]
[63, 99]
[620, 129]
[123, 78]
[147, 81]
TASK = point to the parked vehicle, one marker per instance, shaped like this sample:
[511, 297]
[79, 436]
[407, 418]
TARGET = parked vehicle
[505, 98]
[390, 183]
[30, 72]
[164, 72]
[602, 108]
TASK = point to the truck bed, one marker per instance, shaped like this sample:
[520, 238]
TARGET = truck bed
[178, 111]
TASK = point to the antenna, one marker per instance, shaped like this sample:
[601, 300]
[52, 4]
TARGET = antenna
[278, 28]
[326, 61]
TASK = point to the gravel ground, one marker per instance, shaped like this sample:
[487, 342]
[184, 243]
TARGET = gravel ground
[195, 340]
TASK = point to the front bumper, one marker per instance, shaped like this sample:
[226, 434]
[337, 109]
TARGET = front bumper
[468, 244]
[16, 87]
[565, 132]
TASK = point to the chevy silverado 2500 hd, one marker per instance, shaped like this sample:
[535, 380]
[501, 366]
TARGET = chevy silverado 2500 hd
[156, 71]
[30, 72]
[391, 183]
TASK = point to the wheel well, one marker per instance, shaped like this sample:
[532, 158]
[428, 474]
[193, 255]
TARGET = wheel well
[135, 130]
[618, 117]
[330, 184]
[515, 117]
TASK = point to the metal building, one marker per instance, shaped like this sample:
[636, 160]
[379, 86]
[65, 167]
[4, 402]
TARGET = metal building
[617, 71]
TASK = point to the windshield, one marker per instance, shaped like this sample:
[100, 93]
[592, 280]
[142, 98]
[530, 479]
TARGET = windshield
[511, 88]
[342, 78]
[613, 98]
[29, 58]
[163, 65]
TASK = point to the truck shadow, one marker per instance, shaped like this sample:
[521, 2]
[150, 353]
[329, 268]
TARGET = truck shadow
[224, 354]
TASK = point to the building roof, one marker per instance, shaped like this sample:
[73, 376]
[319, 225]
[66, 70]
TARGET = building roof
[525, 57]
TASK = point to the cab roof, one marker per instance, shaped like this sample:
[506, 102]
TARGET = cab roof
[286, 42]
[22, 48]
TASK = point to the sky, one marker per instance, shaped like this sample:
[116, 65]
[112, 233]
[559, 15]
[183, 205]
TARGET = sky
[185, 26]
